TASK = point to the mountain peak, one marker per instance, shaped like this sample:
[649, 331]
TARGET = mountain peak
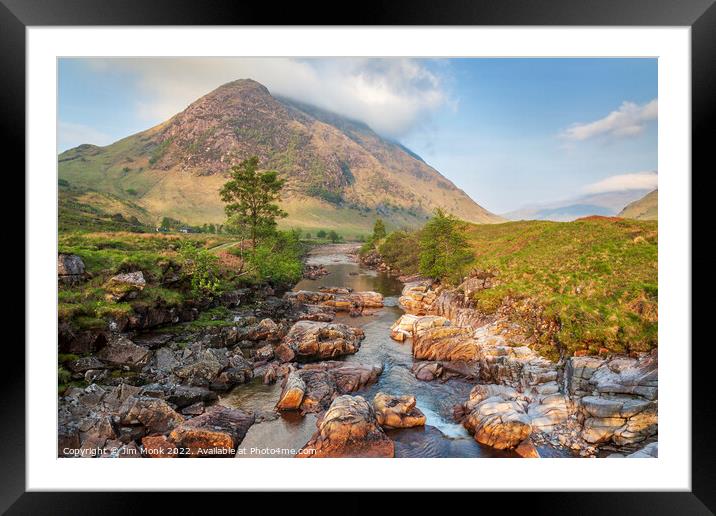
[338, 172]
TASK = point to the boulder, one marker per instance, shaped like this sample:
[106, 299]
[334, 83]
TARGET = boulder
[266, 329]
[125, 286]
[527, 450]
[153, 413]
[348, 429]
[124, 352]
[496, 416]
[292, 393]
[70, 269]
[200, 373]
[403, 328]
[265, 352]
[427, 371]
[309, 340]
[397, 411]
[216, 433]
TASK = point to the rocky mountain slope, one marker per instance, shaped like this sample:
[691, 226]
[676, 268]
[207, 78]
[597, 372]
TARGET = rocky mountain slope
[339, 172]
[646, 208]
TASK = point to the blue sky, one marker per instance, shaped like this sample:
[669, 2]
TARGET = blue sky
[510, 132]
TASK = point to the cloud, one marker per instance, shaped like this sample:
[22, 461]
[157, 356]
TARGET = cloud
[391, 95]
[629, 120]
[71, 135]
[624, 182]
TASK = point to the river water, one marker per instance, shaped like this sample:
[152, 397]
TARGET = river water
[441, 436]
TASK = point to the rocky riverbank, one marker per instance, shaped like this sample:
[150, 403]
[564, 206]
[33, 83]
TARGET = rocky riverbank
[589, 404]
[158, 393]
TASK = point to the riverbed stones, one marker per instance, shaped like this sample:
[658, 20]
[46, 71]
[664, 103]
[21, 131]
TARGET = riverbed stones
[397, 411]
[216, 433]
[125, 286]
[310, 340]
[349, 429]
[526, 449]
[336, 298]
[313, 387]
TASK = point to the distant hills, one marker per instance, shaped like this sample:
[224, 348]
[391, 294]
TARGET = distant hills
[646, 208]
[605, 204]
[340, 174]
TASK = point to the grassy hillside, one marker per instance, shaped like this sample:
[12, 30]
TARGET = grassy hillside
[580, 286]
[646, 208]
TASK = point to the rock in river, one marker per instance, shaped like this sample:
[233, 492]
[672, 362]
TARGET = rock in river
[496, 415]
[311, 340]
[349, 429]
[397, 411]
[216, 433]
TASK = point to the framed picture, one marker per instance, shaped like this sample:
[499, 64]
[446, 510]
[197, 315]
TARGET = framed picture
[421, 248]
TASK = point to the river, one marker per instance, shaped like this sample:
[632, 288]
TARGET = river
[441, 436]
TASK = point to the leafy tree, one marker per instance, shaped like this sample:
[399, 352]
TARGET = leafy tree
[308, 236]
[251, 197]
[333, 236]
[444, 250]
[378, 230]
[401, 249]
[321, 233]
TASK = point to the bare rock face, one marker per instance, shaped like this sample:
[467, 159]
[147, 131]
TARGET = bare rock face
[496, 416]
[349, 429]
[125, 286]
[124, 352]
[397, 411]
[70, 269]
[616, 397]
[310, 340]
[313, 387]
[649, 451]
[216, 433]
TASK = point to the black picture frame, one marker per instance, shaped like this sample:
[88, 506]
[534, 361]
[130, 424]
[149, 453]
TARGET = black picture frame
[700, 15]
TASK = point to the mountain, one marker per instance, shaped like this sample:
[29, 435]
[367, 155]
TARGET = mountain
[340, 174]
[646, 208]
[605, 204]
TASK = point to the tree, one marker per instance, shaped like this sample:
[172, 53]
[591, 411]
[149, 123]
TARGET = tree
[251, 197]
[308, 236]
[321, 233]
[333, 236]
[378, 230]
[444, 250]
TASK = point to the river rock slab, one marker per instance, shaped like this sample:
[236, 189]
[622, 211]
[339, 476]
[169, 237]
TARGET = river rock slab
[216, 433]
[349, 429]
[397, 411]
[310, 340]
[124, 352]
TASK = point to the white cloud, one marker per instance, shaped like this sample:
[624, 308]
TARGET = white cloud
[624, 182]
[71, 135]
[629, 120]
[390, 95]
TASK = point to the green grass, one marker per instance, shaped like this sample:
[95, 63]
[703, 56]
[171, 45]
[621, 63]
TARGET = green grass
[596, 277]
[595, 280]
